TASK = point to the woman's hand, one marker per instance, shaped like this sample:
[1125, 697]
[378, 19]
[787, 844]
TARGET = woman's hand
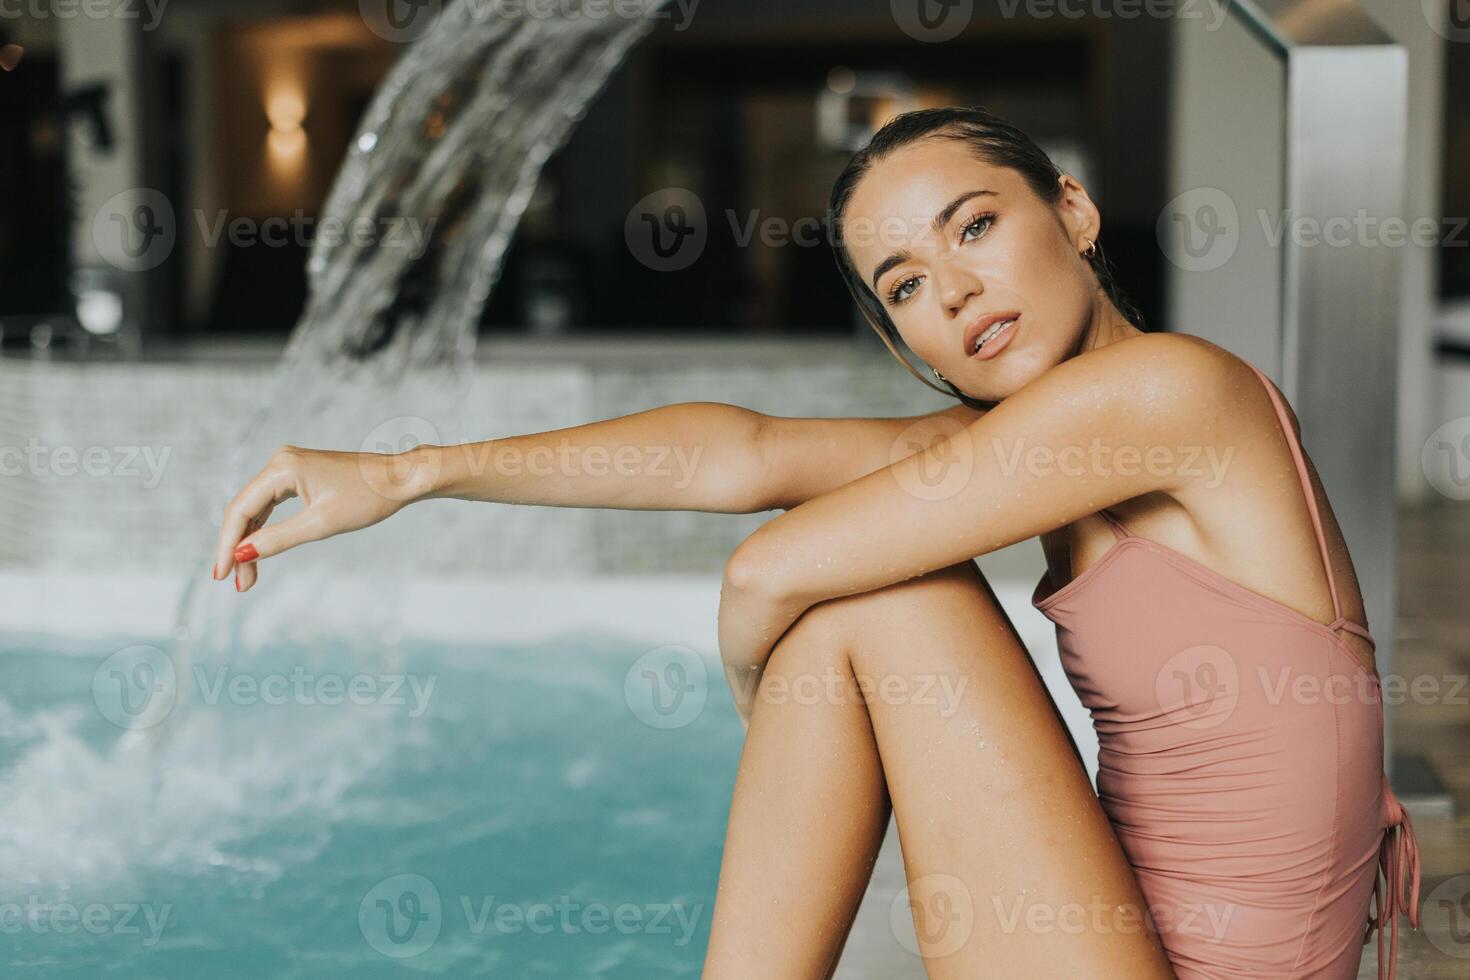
[754, 614]
[342, 491]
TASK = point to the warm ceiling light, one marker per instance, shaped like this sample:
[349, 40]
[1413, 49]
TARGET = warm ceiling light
[285, 144]
[286, 110]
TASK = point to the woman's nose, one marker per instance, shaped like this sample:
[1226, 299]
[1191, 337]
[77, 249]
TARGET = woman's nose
[956, 286]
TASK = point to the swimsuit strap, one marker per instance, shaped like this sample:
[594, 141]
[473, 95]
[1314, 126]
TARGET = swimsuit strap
[1119, 530]
[1398, 857]
[1306, 480]
[1344, 623]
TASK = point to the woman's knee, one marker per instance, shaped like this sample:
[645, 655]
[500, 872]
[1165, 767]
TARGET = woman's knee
[914, 607]
[884, 608]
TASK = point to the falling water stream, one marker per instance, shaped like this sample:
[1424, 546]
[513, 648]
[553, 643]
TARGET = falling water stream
[442, 167]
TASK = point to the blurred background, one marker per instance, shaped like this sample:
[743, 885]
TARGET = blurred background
[225, 225]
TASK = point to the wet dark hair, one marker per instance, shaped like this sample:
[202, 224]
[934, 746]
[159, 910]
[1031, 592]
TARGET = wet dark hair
[996, 142]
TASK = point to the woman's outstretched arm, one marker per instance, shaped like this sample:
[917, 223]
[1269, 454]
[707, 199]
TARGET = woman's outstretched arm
[697, 456]
[1135, 417]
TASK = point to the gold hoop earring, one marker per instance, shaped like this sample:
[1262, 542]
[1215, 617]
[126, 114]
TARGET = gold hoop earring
[1091, 249]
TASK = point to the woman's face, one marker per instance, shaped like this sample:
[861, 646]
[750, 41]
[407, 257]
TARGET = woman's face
[998, 249]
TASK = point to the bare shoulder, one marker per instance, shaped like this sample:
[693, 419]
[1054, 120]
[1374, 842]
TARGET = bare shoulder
[1220, 384]
[1169, 399]
[1171, 380]
[1173, 359]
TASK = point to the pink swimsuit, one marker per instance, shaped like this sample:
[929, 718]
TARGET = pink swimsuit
[1240, 761]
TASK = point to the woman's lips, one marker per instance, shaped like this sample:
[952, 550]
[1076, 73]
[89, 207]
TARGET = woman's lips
[998, 343]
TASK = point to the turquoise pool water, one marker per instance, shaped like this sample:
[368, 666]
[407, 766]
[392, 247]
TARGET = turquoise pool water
[538, 811]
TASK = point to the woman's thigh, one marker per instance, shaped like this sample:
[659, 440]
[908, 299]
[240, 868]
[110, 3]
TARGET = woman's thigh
[1013, 867]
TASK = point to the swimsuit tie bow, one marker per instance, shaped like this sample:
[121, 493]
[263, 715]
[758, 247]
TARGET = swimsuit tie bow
[1397, 853]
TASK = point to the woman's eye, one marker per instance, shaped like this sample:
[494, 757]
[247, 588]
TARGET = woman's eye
[986, 219]
[979, 224]
[901, 290]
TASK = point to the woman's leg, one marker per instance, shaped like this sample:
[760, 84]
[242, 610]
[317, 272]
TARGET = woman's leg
[1013, 868]
[807, 817]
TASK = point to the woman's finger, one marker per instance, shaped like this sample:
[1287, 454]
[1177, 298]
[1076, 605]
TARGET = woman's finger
[270, 487]
[272, 539]
[247, 573]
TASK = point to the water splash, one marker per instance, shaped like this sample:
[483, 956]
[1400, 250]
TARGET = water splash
[442, 167]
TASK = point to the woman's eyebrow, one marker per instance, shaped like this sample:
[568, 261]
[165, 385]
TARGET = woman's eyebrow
[940, 220]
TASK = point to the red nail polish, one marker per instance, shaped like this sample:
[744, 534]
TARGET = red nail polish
[246, 552]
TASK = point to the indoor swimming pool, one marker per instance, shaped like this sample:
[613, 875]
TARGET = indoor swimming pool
[552, 809]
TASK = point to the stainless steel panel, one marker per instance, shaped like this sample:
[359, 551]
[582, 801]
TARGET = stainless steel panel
[1345, 145]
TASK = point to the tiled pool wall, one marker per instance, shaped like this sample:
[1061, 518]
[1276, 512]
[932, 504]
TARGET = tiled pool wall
[110, 466]
[104, 549]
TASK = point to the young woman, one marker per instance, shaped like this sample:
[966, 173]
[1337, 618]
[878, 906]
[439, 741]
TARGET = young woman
[1206, 606]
